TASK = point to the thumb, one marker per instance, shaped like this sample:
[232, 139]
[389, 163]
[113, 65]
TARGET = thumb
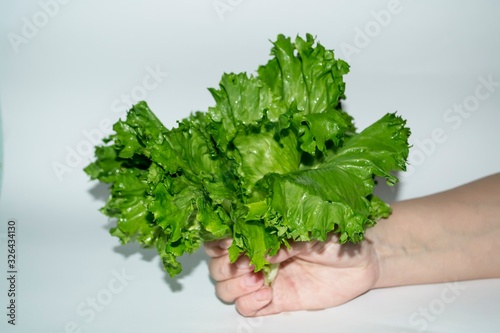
[306, 249]
[295, 248]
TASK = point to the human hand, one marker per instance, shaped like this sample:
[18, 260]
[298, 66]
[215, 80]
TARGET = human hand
[312, 275]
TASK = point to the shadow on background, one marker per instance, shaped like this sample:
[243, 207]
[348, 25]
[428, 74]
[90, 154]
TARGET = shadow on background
[386, 192]
[188, 261]
[100, 192]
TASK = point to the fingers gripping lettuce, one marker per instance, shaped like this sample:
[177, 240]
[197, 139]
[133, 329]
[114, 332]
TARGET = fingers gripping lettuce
[275, 160]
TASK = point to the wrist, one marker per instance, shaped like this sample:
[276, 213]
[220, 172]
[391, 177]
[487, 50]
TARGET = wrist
[381, 254]
[395, 249]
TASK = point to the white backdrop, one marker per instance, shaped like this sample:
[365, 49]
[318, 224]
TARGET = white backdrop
[69, 69]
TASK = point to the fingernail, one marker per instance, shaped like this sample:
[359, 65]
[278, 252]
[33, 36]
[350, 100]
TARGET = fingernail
[225, 243]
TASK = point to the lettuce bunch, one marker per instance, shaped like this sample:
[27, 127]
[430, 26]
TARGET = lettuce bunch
[275, 160]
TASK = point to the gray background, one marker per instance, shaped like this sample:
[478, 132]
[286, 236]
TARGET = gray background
[69, 68]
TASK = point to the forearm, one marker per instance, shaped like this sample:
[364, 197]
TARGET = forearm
[449, 236]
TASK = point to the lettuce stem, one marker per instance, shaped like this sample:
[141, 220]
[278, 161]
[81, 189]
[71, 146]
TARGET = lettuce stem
[270, 273]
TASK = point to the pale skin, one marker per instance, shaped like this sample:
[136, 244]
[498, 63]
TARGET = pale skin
[449, 236]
